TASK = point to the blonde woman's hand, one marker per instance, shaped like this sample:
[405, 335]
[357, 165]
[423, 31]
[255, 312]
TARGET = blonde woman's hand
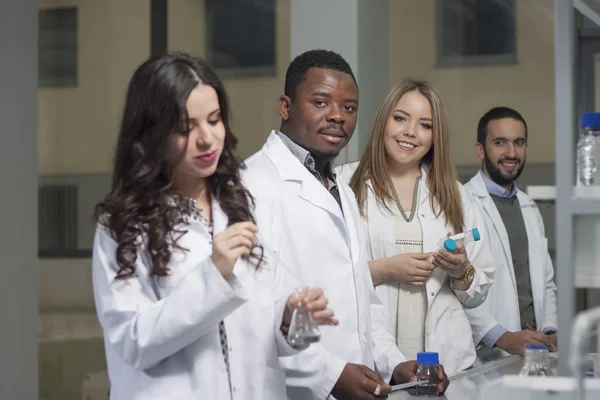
[455, 263]
[234, 242]
[409, 268]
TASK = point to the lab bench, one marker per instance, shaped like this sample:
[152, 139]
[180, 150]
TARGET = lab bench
[463, 385]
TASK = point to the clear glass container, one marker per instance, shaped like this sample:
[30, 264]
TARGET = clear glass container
[427, 370]
[303, 328]
[537, 361]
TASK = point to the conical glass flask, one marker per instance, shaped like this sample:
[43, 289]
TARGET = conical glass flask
[303, 329]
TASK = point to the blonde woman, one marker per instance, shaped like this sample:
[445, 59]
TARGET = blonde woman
[406, 188]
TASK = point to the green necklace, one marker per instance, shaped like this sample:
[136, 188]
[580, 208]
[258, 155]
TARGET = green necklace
[414, 203]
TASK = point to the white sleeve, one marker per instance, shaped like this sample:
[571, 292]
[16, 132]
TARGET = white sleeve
[143, 329]
[480, 255]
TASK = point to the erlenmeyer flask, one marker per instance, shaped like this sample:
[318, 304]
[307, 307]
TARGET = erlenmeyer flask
[303, 329]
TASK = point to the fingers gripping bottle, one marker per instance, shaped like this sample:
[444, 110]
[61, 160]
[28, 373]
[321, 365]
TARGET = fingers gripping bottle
[449, 244]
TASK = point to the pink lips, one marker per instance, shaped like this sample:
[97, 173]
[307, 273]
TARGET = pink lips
[207, 158]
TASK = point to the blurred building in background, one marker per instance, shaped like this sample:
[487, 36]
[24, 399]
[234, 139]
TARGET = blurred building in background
[478, 53]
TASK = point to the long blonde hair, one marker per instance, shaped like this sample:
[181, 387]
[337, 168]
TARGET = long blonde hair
[441, 176]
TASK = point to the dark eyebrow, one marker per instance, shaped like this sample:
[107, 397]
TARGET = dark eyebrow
[328, 96]
[408, 114]
[503, 138]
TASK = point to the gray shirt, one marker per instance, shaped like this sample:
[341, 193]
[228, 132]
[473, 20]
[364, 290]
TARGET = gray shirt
[510, 212]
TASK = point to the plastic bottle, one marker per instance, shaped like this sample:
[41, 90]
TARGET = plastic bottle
[588, 150]
[449, 243]
[427, 363]
[537, 361]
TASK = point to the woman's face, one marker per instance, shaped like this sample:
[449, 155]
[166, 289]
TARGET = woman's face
[409, 130]
[203, 146]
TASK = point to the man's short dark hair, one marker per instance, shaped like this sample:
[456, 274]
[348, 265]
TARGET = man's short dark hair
[494, 114]
[296, 72]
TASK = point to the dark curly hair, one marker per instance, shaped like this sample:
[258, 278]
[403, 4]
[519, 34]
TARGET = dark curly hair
[141, 200]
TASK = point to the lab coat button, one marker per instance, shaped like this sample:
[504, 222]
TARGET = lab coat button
[364, 338]
[433, 293]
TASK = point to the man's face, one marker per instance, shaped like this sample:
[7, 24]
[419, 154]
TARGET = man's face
[505, 151]
[322, 116]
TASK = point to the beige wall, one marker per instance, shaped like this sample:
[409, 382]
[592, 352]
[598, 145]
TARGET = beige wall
[78, 126]
[527, 86]
[253, 99]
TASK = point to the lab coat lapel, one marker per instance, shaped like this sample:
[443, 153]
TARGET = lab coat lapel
[219, 218]
[295, 174]
[480, 190]
[351, 219]
[380, 224]
[428, 224]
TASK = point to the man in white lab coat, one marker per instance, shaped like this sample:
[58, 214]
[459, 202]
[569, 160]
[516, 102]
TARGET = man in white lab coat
[292, 177]
[520, 309]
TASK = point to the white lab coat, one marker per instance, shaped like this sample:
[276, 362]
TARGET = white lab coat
[502, 304]
[447, 329]
[325, 249]
[161, 334]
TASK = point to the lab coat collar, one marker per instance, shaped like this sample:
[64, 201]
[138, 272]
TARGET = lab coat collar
[423, 188]
[291, 170]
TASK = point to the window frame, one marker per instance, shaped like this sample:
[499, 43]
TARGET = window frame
[57, 81]
[241, 72]
[443, 61]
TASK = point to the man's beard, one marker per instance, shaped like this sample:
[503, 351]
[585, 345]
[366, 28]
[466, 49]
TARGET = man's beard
[496, 174]
[324, 155]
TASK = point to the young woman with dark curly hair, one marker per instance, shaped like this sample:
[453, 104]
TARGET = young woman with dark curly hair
[189, 305]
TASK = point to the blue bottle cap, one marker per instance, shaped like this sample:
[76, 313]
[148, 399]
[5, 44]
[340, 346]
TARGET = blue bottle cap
[590, 120]
[449, 245]
[536, 347]
[428, 358]
[475, 233]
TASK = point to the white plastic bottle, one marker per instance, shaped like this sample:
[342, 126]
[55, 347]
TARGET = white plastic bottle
[449, 243]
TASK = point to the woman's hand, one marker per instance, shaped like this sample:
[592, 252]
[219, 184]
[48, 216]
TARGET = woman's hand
[409, 268]
[315, 302]
[455, 263]
[234, 242]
